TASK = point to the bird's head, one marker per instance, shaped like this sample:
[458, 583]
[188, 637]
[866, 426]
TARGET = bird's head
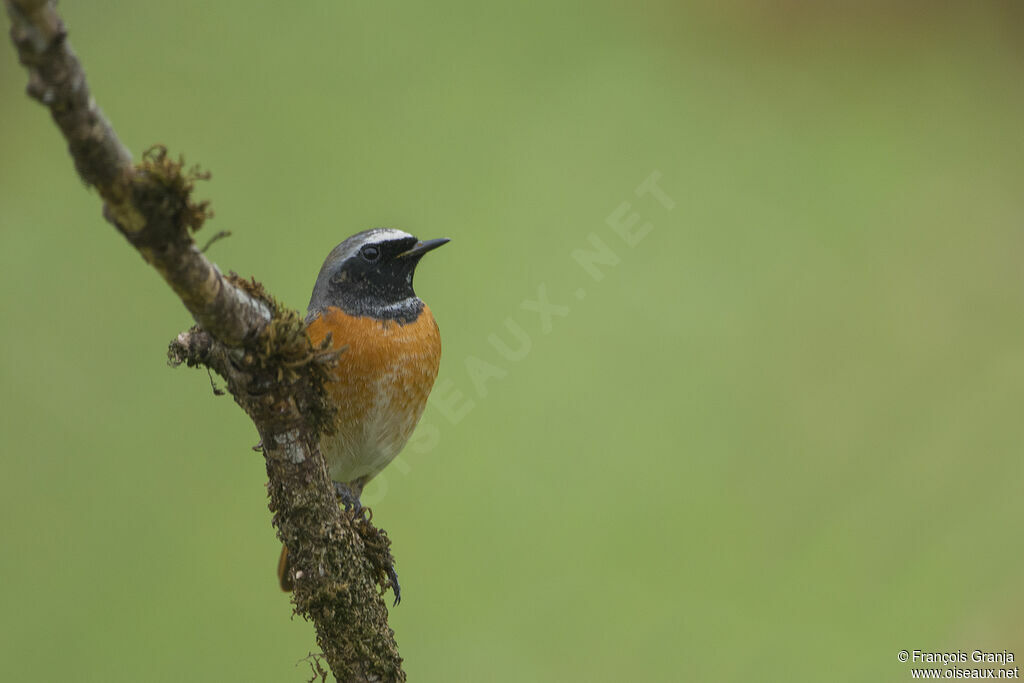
[370, 274]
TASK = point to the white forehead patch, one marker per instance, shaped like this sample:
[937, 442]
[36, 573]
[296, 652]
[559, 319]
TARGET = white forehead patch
[382, 235]
[349, 247]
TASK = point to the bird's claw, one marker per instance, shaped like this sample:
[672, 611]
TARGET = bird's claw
[393, 580]
[348, 499]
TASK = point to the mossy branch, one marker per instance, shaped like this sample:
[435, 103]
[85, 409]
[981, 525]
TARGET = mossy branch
[259, 347]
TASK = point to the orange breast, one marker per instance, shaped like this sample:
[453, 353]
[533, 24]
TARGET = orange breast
[381, 384]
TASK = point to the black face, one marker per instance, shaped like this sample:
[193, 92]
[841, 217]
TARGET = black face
[370, 274]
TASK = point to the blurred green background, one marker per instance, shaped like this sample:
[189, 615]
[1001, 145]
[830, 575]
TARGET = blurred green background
[779, 440]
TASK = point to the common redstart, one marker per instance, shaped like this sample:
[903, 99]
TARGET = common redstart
[390, 350]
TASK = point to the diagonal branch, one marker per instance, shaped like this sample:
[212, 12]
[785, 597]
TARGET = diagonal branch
[260, 348]
[136, 197]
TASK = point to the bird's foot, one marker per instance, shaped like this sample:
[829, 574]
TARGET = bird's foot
[393, 580]
[378, 550]
[348, 498]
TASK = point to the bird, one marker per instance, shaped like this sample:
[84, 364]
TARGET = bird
[364, 306]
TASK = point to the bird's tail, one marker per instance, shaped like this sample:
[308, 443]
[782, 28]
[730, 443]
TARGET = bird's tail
[284, 571]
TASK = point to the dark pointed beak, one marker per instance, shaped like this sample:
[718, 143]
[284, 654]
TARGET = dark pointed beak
[423, 247]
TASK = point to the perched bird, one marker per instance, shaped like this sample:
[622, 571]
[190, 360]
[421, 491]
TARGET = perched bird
[390, 351]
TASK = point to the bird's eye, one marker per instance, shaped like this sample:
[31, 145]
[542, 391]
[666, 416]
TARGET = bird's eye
[370, 252]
